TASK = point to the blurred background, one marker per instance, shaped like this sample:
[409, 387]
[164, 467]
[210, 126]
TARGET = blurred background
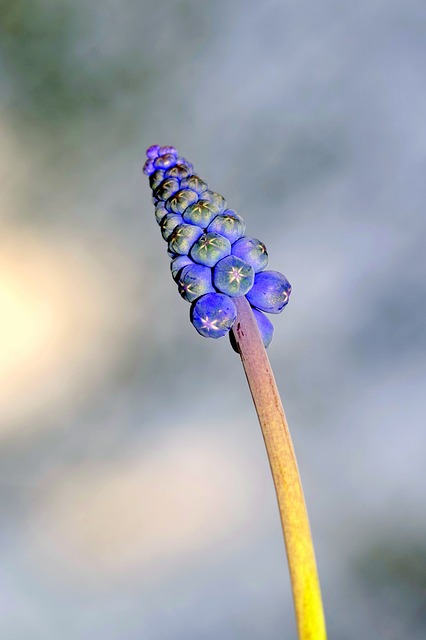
[136, 498]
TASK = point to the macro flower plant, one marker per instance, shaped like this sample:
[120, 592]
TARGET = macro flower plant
[212, 260]
[223, 274]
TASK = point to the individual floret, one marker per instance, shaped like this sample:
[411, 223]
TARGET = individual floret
[252, 251]
[213, 315]
[181, 200]
[169, 223]
[194, 281]
[210, 248]
[153, 151]
[266, 328]
[167, 150]
[216, 199]
[165, 162]
[200, 213]
[156, 178]
[183, 237]
[270, 291]
[228, 224]
[166, 189]
[177, 264]
[179, 171]
[195, 184]
[233, 276]
[160, 211]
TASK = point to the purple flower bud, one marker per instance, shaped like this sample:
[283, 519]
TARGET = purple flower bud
[183, 237]
[213, 315]
[194, 281]
[165, 162]
[266, 328]
[179, 171]
[181, 200]
[177, 264]
[216, 199]
[167, 188]
[148, 167]
[228, 224]
[156, 178]
[184, 161]
[152, 152]
[168, 224]
[200, 213]
[167, 151]
[252, 251]
[195, 183]
[270, 291]
[233, 276]
[210, 248]
[160, 211]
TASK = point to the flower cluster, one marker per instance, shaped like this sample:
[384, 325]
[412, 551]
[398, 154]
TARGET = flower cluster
[212, 260]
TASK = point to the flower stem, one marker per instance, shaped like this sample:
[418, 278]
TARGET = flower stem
[282, 459]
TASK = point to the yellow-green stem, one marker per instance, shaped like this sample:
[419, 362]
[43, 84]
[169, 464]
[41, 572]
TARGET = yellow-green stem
[294, 517]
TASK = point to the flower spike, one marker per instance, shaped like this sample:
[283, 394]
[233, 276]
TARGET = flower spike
[197, 225]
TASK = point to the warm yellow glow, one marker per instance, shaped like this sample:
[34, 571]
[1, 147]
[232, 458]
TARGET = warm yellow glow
[55, 315]
[28, 327]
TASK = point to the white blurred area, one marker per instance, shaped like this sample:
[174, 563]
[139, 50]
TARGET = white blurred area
[146, 514]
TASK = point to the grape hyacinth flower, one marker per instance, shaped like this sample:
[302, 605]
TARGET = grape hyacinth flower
[196, 222]
[222, 274]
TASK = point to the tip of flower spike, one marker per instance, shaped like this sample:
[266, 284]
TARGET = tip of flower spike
[213, 262]
[155, 150]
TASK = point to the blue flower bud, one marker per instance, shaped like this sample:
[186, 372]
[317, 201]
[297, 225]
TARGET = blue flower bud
[195, 183]
[177, 264]
[148, 167]
[200, 213]
[153, 151]
[228, 224]
[155, 178]
[181, 200]
[194, 281]
[167, 150]
[160, 211]
[183, 237]
[166, 189]
[213, 315]
[168, 224]
[266, 328]
[270, 291]
[216, 199]
[165, 162]
[179, 171]
[184, 161]
[210, 248]
[233, 276]
[252, 251]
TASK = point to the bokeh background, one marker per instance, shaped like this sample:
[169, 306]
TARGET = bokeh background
[136, 499]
